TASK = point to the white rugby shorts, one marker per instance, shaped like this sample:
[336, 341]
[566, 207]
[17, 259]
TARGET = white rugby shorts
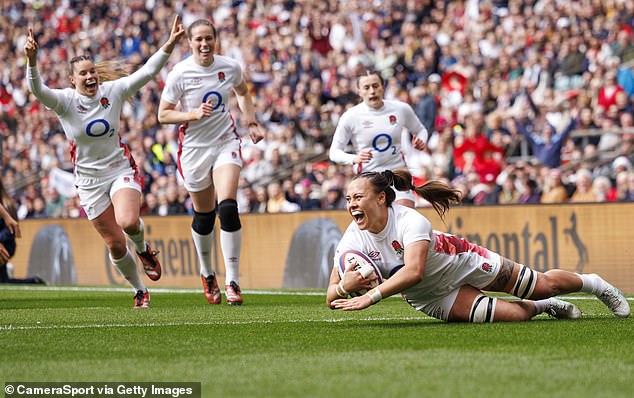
[197, 163]
[95, 193]
[473, 269]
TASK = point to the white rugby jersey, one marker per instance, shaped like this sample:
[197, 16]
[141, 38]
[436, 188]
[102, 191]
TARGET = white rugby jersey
[192, 84]
[447, 256]
[92, 123]
[377, 130]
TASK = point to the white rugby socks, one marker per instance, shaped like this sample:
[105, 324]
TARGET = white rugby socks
[139, 238]
[127, 267]
[592, 283]
[203, 244]
[231, 243]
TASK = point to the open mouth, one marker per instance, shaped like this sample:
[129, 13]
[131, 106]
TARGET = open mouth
[205, 51]
[90, 84]
[357, 215]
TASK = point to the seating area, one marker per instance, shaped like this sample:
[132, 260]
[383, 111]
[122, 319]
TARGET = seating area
[525, 101]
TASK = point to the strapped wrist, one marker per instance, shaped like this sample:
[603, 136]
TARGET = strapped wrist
[341, 292]
[375, 295]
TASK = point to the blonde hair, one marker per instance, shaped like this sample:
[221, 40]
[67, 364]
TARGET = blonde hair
[107, 70]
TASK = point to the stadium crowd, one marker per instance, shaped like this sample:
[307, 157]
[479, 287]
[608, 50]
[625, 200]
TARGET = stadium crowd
[505, 88]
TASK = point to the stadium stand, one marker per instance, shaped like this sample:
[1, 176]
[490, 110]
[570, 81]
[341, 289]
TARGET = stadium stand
[485, 71]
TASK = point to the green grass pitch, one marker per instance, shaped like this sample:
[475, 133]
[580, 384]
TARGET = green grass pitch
[288, 344]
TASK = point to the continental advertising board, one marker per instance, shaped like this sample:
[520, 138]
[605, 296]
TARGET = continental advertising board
[295, 250]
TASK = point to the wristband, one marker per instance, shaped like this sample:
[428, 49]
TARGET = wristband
[375, 295]
[344, 293]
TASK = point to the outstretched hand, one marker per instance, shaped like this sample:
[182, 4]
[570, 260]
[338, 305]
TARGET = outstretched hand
[355, 303]
[176, 34]
[31, 48]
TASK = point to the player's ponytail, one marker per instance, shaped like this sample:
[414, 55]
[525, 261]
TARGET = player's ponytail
[112, 70]
[107, 70]
[438, 194]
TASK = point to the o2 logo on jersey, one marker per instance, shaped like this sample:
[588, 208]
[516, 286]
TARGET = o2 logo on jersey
[99, 128]
[383, 142]
[214, 98]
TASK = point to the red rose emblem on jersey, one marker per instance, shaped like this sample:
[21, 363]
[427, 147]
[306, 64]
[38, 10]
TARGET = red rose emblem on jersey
[105, 102]
[392, 119]
[486, 267]
[221, 76]
[398, 248]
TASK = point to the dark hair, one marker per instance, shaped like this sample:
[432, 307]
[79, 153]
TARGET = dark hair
[370, 72]
[201, 22]
[437, 193]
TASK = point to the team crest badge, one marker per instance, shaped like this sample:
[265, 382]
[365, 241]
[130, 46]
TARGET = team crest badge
[105, 102]
[398, 248]
[221, 76]
[126, 179]
[392, 120]
[486, 267]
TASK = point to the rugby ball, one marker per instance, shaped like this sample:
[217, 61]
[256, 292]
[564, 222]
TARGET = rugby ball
[357, 261]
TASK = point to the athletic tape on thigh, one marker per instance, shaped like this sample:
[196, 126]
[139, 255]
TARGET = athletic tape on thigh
[525, 284]
[482, 309]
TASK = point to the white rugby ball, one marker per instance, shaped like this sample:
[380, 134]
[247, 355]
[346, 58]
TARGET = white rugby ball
[357, 261]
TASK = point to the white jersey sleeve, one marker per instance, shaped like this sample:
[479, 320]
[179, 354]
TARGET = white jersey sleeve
[55, 99]
[340, 140]
[144, 74]
[414, 125]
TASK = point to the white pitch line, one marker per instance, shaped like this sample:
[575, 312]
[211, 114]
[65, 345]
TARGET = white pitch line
[196, 291]
[251, 322]
[153, 290]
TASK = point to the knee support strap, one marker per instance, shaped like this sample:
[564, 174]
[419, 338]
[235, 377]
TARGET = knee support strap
[482, 309]
[525, 284]
[228, 215]
[203, 223]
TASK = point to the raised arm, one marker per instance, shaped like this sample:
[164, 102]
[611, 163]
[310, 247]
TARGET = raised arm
[50, 98]
[156, 62]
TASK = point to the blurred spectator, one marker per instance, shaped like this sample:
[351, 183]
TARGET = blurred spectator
[530, 193]
[262, 198]
[151, 207]
[303, 61]
[277, 202]
[335, 200]
[509, 193]
[307, 199]
[583, 187]
[54, 203]
[554, 190]
[602, 189]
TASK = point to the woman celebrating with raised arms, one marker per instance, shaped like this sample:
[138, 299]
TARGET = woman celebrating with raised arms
[106, 176]
[440, 274]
